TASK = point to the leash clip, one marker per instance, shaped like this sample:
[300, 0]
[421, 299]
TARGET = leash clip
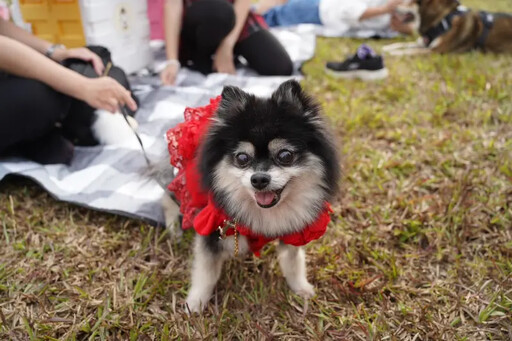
[226, 225]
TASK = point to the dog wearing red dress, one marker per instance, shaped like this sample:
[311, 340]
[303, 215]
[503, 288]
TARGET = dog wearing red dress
[250, 171]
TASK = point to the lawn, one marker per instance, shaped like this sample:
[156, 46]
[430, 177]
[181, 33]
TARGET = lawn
[420, 247]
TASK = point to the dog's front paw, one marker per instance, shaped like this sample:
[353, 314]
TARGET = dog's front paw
[303, 288]
[196, 303]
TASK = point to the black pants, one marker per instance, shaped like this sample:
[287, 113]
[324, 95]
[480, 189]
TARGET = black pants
[208, 22]
[30, 112]
[41, 124]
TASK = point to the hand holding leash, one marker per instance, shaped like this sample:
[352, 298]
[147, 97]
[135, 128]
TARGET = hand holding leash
[106, 93]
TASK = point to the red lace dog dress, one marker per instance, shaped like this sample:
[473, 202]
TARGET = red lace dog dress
[197, 206]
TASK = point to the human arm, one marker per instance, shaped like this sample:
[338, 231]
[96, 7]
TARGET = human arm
[173, 13]
[388, 8]
[12, 31]
[224, 60]
[265, 5]
[102, 93]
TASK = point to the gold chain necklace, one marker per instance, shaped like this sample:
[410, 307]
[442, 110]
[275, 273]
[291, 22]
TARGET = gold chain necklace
[226, 225]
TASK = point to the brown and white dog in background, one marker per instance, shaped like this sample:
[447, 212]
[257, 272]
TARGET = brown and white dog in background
[447, 27]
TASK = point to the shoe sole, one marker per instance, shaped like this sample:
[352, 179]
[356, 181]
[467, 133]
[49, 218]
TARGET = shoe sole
[365, 75]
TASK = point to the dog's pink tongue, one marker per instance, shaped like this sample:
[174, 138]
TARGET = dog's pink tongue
[265, 198]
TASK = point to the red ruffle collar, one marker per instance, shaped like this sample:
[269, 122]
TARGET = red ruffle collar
[198, 209]
[211, 218]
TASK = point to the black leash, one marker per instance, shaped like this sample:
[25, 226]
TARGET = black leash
[124, 112]
[125, 115]
[148, 162]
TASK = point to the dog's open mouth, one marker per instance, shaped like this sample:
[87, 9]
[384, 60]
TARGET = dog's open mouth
[268, 199]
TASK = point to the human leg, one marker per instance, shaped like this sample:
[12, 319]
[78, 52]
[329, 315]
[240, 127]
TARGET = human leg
[205, 25]
[30, 112]
[265, 54]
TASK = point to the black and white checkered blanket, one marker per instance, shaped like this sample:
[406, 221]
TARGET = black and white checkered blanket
[115, 178]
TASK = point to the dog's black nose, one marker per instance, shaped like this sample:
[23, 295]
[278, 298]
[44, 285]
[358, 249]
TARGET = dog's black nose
[260, 180]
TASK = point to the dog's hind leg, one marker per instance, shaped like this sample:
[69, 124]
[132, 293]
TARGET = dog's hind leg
[172, 216]
[206, 269]
[292, 260]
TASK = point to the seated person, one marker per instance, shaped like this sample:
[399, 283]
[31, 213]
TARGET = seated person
[37, 92]
[341, 15]
[208, 36]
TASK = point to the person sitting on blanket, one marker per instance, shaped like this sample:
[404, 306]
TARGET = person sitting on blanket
[209, 35]
[341, 15]
[36, 94]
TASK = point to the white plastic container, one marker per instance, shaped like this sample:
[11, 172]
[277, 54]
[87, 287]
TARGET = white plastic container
[123, 27]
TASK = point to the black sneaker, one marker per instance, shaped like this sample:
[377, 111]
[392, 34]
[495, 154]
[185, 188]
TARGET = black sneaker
[365, 65]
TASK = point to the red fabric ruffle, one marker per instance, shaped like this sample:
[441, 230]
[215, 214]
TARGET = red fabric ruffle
[183, 143]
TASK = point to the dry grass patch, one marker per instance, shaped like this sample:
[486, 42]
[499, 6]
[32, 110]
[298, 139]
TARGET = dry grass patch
[420, 249]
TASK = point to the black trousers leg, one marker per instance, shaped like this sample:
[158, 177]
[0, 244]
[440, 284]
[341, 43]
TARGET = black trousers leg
[265, 54]
[29, 112]
[205, 25]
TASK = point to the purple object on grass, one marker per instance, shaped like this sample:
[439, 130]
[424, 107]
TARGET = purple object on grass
[364, 51]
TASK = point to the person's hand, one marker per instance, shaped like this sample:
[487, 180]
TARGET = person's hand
[82, 53]
[392, 5]
[223, 62]
[169, 74]
[106, 93]
[398, 25]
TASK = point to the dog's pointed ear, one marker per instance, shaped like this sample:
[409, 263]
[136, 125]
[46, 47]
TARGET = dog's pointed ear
[234, 98]
[288, 92]
[291, 93]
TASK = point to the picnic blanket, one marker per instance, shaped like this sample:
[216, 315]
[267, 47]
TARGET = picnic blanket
[115, 178]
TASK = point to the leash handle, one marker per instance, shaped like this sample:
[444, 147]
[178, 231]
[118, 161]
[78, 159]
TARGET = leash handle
[107, 69]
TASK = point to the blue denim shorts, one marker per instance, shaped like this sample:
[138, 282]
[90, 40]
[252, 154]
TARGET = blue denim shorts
[294, 12]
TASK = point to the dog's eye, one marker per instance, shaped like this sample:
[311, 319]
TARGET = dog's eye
[285, 157]
[242, 159]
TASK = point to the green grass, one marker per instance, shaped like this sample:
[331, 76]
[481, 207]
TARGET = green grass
[421, 247]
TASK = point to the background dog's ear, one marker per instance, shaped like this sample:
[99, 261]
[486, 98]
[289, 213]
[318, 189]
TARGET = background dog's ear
[234, 98]
[290, 92]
